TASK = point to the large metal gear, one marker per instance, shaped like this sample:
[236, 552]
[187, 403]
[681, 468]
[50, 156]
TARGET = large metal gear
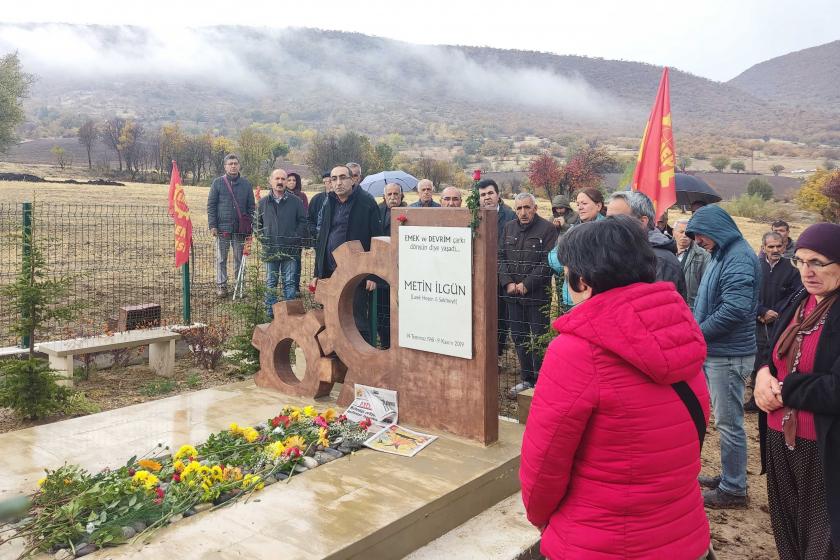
[274, 341]
[354, 265]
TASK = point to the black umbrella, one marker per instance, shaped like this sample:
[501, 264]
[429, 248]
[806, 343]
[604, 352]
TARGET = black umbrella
[692, 189]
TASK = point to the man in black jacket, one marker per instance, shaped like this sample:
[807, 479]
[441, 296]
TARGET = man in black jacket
[638, 205]
[316, 206]
[349, 214]
[488, 194]
[779, 280]
[281, 227]
[230, 211]
[525, 279]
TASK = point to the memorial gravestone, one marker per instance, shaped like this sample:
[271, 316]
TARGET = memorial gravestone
[444, 364]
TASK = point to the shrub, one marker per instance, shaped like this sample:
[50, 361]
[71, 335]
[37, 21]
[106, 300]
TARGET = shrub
[761, 188]
[77, 404]
[757, 208]
[206, 344]
[29, 387]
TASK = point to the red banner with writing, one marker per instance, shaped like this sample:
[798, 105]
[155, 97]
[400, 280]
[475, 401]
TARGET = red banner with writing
[180, 212]
[654, 174]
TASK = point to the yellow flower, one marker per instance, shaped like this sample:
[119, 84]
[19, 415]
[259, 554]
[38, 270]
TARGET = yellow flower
[275, 449]
[310, 411]
[296, 441]
[145, 479]
[250, 434]
[217, 473]
[252, 482]
[149, 465]
[329, 415]
[294, 414]
[41, 482]
[323, 438]
[186, 451]
[178, 466]
[234, 428]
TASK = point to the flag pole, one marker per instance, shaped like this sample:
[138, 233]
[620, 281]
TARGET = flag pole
[185, 291]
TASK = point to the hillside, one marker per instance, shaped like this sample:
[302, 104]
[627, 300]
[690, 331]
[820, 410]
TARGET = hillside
[809, 78]
[325, 80]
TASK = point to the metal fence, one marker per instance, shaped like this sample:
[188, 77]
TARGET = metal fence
[122, 255]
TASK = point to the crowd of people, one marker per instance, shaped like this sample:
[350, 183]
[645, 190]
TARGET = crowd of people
[658, 325]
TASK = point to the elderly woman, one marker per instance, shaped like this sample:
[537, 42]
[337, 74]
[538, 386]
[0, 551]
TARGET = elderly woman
[799, 389]
[611, 450]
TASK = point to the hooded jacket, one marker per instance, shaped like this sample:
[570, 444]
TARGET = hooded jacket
[668, 267]
[570, 218]
[610, 455]
[727, 299]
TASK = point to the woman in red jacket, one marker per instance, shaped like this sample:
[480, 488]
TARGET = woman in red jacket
[611, 451]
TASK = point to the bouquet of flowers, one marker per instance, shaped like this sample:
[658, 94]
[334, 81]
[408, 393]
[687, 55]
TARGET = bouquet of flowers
[80, 512]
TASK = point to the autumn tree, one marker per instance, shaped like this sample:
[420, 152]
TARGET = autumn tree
[776, 169]
[811, 197]
[14, 86]
[831, 190]
[88, 133]
[254, 151]
[327, 150]
[131, 146]
[438, 171]
[720, 163]
[545, 173]
[111, 132]
[62, 159]
[221, 147]
[585, 169]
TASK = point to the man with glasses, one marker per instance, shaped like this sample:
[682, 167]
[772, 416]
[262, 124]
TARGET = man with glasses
[450, 198]
[726, 308]
[779, 281]
[349, 214]
[230, 211]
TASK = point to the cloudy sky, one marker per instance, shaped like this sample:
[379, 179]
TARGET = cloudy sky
[717, 39]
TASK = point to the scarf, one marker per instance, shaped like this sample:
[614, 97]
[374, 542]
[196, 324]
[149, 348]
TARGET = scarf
[789, 349]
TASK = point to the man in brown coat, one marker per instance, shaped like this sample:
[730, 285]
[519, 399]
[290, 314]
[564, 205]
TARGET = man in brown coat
[525, 279]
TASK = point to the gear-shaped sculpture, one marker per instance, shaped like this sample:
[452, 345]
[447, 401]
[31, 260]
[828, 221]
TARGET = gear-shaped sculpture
[274, 340]
[355, 265]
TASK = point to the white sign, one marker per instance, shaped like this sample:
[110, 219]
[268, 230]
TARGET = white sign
[435, 289]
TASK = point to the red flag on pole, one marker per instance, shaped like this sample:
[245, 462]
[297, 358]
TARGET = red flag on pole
[180, 212]
[654, 175]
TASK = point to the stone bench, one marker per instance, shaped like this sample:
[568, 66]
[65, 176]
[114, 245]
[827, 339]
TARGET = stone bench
[161, 343]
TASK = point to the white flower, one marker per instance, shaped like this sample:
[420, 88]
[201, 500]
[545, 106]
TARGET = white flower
[90, 527]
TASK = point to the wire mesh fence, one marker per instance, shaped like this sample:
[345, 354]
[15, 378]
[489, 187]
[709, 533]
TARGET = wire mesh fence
[122, 255]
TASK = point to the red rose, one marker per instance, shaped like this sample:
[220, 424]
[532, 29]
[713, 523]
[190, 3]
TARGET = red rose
[319, 421]
[402, 218]
[159, 491]
[365, 423]
[176, 477]
[477, 175]
[275, 421]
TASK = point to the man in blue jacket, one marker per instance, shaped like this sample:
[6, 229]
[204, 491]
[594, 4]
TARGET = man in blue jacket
[725, 308]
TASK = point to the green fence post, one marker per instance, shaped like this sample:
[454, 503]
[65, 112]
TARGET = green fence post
[27, 252]
[185, 293]
[374, 334]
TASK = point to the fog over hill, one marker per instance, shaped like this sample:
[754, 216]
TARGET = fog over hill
[227, 77]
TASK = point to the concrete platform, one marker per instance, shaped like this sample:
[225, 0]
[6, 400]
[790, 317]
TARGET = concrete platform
[369, 505]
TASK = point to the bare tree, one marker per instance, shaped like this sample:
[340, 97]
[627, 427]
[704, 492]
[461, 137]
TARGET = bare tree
[88, 133]
[111, 133]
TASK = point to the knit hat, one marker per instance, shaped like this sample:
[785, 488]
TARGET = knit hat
[560, 201]
[823, 238]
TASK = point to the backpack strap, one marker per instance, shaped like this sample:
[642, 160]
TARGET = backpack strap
[691, 402]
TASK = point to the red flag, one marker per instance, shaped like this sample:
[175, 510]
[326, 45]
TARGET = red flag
[180, 212]
[654, 175]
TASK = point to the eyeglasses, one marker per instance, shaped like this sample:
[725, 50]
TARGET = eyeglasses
[813, 264]
[339, 178]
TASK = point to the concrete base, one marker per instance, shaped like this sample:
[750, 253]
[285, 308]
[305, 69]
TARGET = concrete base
[368, 505]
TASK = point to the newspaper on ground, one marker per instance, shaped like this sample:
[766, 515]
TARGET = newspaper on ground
[375, 404]
[399, 441]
